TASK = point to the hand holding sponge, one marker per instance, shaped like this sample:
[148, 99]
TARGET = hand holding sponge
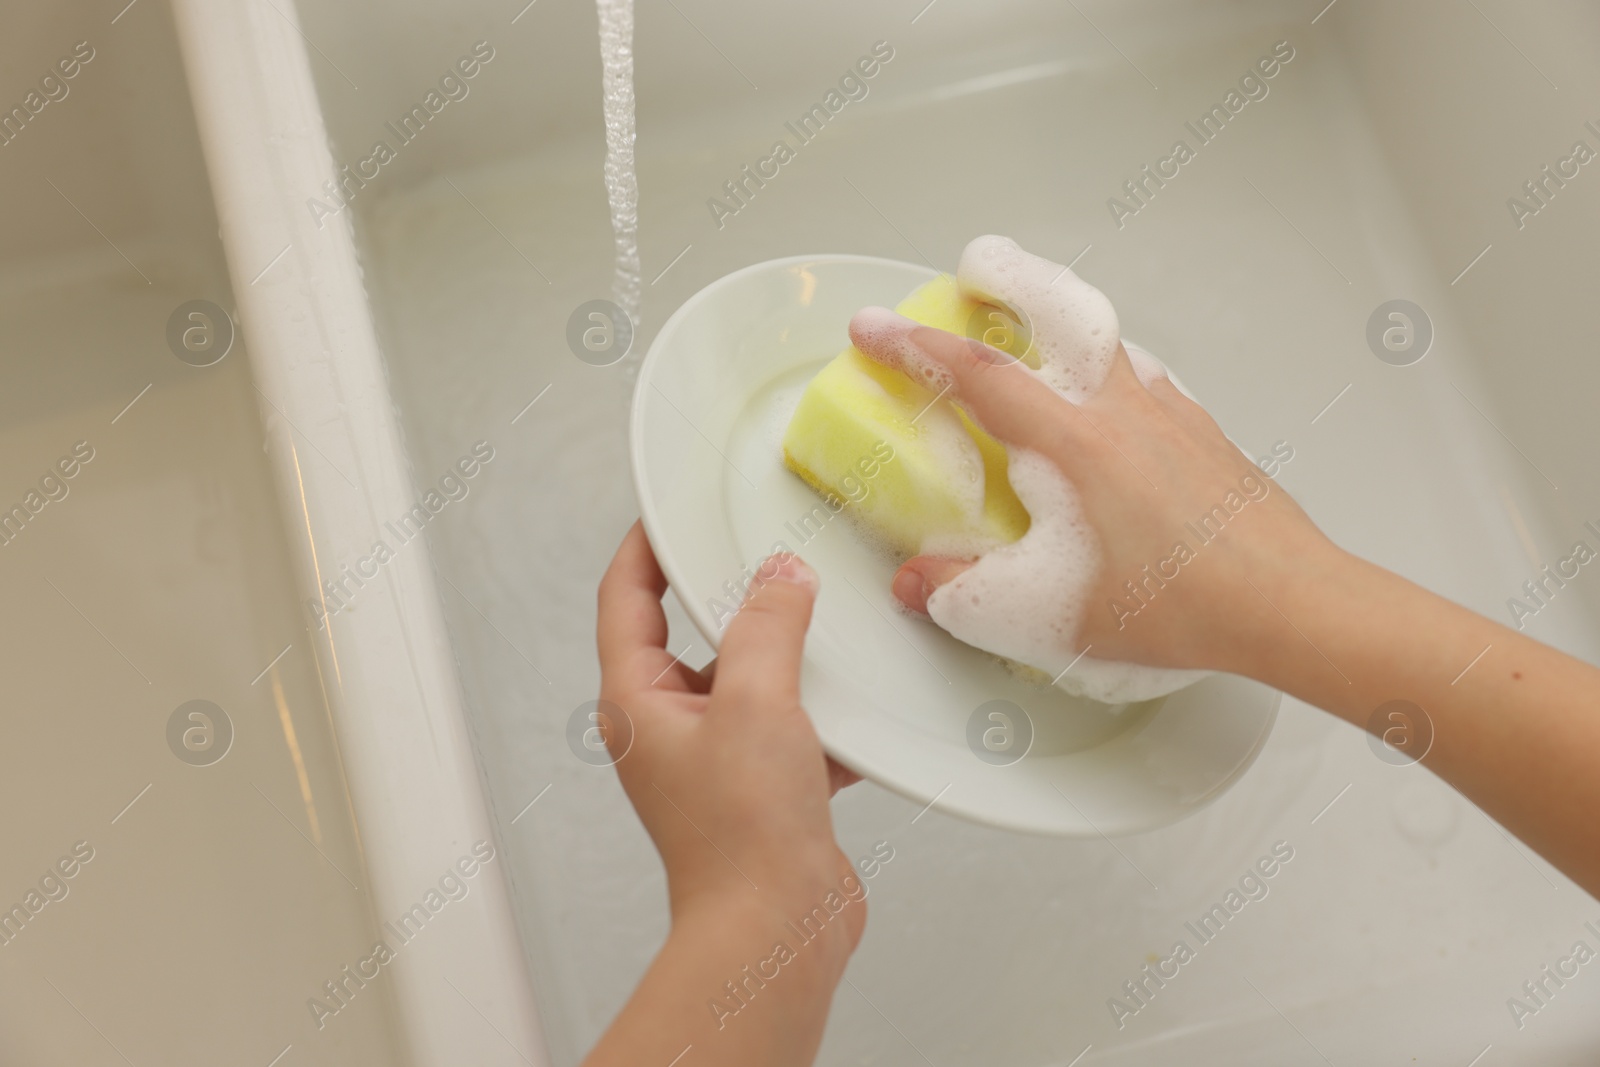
[951, 489]
[945, 492]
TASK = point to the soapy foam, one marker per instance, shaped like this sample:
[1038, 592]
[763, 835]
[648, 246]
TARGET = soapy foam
[1074, 327]
[883, 334]
[1024, 601]
[942, 432]
[1010, 602]
[939, 425]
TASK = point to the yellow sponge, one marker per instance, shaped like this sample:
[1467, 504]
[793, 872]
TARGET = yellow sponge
[911, 467]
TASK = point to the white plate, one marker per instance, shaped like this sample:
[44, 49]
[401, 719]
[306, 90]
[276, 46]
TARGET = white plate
[893, 697]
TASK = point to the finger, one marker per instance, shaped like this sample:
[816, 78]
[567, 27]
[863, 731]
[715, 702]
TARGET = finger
[1175, 403]
[1131, 373]
[677, 677]
[631, 620]
[919, 576]
[707, 676]
[759, 661]
[1072, 324]
[1150, 371]
[999, 392]
[1155, 377]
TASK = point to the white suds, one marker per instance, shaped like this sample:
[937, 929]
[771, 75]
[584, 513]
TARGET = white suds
[1074, 327]
[940, 429]
[1024, 601]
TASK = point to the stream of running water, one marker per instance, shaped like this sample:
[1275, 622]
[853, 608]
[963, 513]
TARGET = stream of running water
[622, 183]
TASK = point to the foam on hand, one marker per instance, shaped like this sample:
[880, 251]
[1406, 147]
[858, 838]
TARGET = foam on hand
[917, 473]
[1074, 327]
[1026, 595]
[1024, 601]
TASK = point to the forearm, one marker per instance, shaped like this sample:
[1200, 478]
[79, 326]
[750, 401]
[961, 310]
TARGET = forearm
[720, 985]
[1518, 733]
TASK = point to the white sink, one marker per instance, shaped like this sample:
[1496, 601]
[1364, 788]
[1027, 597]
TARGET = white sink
[376, 350]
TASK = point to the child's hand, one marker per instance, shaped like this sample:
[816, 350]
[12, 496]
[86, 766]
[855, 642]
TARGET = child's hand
[1148, 465]
[729, 779]
[1266, 595]
[723, 766]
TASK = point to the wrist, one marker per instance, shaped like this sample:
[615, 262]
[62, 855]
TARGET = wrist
[781, 955]
[734, 981]
[1285, 596]
[818, 923]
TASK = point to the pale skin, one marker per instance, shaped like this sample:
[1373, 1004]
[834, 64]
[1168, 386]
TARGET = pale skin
[1272, 599]
[731, 783]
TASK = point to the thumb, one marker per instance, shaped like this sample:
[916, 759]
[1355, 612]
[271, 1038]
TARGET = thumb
[759, 662]
[919, 576]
